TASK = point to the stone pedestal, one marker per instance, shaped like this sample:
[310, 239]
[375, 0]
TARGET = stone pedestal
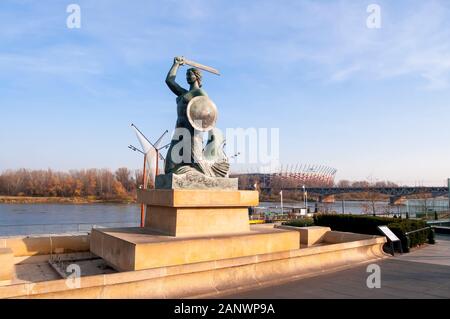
[197, 212]
[190, 226]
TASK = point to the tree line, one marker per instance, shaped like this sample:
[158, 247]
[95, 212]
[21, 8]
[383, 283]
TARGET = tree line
[122, 183]
[101, 183]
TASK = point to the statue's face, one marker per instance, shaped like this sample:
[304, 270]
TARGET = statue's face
[190, 77]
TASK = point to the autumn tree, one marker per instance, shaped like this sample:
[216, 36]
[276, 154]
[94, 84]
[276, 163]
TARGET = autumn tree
[123, 175]
[101, 183]
[118, 189]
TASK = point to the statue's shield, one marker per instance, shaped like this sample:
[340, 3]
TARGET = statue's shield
[202, 113]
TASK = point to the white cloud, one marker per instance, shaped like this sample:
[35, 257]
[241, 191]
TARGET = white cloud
[60, 61]
[344, 74]
[325, 41]
[332, 37]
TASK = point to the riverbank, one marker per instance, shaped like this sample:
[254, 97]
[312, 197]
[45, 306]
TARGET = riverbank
[63, 200]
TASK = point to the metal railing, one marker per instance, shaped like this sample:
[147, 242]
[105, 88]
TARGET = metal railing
[430, 236]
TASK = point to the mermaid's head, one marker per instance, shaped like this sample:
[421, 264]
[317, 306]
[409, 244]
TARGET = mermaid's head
[194, 75]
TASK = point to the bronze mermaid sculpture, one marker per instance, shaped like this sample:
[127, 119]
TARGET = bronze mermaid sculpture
[186, 152]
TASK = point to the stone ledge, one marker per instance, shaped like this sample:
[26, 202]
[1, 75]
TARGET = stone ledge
[44, 245]
[197, 198]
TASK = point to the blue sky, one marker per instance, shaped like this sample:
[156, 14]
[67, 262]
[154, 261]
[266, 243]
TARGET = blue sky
[373, 103]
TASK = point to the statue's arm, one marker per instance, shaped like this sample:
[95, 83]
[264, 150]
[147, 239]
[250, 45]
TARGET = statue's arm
[170, 79]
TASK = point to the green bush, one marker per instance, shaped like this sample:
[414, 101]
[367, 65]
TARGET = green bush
[302, 222]
[352, 223]
[369, 225]
[415, 239]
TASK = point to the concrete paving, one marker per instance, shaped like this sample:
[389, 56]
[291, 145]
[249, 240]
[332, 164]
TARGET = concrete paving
[423, 273]
[38, 269]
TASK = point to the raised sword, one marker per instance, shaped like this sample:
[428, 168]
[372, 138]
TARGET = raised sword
[200, 66]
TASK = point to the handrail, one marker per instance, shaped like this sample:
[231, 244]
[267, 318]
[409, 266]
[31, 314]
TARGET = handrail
[408, 240]
[418, 230]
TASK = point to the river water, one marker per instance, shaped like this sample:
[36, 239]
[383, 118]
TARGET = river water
[26, 219]
[30, 219]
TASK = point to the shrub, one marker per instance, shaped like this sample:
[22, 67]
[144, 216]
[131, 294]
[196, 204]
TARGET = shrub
[302, 222]
[352, 223]
[369, 225]
[415, 239]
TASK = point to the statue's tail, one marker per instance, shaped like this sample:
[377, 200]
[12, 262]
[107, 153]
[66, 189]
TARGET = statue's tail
[215, 155]
[221, 168]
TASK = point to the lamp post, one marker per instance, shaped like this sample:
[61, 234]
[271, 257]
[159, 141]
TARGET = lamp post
[304, 196]
[144, 182]
[407, 209]
[281, 196]
[448, 185]
[306, 200]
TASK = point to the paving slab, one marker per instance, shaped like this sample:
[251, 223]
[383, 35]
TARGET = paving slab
[423, 273]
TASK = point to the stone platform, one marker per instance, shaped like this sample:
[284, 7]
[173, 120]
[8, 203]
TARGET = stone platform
[190, 226]
[35, 278]
[127, 249]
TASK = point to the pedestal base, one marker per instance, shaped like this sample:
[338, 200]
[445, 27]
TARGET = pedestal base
[128, 249]
[177, 221]
[197, 212]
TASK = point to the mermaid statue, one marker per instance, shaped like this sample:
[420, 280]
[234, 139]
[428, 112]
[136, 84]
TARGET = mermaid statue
[186, 154]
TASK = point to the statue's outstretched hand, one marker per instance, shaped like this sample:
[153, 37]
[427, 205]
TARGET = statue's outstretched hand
[178, 60]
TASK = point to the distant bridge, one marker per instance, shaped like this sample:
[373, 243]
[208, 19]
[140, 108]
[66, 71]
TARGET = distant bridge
[395, 193]
[391, 191]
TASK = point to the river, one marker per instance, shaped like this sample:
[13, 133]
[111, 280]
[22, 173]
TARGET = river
[25, 219]
[30, 219]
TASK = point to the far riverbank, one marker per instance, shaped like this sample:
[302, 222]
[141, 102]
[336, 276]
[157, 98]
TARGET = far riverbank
[63, 200]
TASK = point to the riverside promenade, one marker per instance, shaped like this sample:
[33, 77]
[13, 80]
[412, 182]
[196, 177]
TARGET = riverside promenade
[423, 273]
